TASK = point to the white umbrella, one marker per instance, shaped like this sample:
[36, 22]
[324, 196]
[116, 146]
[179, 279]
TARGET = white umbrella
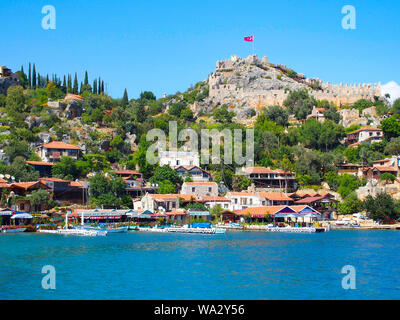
[22, 216]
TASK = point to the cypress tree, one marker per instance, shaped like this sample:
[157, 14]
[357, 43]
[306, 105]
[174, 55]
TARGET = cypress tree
[95, 86]
[34, 77]
[102, 86]
[99, 87]
[86, 79]
[69, 85]
[30, 77]
[125, 99]
[75, 89]
[47, 80]
[64, 86]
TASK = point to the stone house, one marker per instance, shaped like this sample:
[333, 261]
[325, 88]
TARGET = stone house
[364, 134]
[156, 202]
[200, 189]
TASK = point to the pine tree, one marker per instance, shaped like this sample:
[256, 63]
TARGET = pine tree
[95, 86]
[34, 77]
[125, 99]
[75, 89]
[30, 77]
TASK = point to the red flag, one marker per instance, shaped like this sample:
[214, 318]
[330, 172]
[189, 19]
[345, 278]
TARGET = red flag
[249, 39]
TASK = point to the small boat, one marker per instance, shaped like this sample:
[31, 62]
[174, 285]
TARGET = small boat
[103, 229]
[186, 229]
[75, 232]
[12, 229]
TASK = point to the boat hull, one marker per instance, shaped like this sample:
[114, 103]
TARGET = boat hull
[14, 230]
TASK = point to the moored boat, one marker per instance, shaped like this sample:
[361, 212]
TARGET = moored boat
[10, 229]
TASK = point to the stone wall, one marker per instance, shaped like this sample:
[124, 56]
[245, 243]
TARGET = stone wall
[257, 83]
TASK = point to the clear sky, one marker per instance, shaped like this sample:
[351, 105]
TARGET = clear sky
[165, 46]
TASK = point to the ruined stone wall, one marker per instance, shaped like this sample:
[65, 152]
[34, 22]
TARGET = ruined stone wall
[224, 91]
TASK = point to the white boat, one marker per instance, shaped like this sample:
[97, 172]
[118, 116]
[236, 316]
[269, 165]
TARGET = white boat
[107, 230]
[185, 229]
[13, 230]
[75, 232]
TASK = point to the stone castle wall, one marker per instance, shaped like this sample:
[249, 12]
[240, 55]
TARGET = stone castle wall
[227, 92]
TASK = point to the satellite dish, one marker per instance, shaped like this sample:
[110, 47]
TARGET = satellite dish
[1, 175]
[7, 176]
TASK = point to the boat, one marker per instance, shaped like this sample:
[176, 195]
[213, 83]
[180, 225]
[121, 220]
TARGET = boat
[103, 229]
[187, 229]
[10, 229]
[75, 232]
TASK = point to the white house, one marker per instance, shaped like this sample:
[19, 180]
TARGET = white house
[153, 202]
[243, 200]
[178, 158]
[211, 202]
[365, 134]
[53, 151]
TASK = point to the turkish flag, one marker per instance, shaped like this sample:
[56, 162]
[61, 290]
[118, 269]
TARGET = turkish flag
[249, 39]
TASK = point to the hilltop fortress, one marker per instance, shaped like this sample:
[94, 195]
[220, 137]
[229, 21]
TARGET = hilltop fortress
[256, 83]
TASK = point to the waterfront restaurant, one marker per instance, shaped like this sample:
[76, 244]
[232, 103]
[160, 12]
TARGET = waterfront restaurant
[98, 216]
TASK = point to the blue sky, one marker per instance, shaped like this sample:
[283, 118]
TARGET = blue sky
[165, 46]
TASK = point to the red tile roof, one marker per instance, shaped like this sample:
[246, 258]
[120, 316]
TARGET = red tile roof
[260, 211]
[40, 163]
[60, 145]
[366, 129]
[201, 183]
[261, 170]
[127, 172]
[71, 96]
[214, 199]
[188, 197]
[275, 196]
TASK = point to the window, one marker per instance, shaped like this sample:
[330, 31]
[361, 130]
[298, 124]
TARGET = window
[193, 189]
[236, 201]
[251, 201]
[173, 204]
[225, 206]
[209, 189]
[177, 162]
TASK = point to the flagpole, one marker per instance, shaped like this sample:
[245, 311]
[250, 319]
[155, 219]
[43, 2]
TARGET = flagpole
[253, 45]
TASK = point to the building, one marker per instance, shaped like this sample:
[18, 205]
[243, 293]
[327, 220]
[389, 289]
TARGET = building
[200, 189]
[128, 174]
[365, 134]
[6, 73]
[67, 192]
[275, 198]
[243, 200]
[44, 168]
[196, 173]
[377, 171]
[178, 158]
[266, 178]
[53, 151]
[350, 168]
[317, 114]
[211, 202]
[156, 202]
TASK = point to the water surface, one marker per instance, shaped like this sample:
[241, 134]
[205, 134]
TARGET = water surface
[237, 265]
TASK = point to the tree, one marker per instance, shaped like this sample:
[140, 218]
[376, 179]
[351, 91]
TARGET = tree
[396, 107]
[34, 82]
[166, 173]
[386, 176]
[30, 76]
[66, 167]
[350, 205]
[125, 99]
[38, 198]
[300, 103]
[166, 187]
[347, 184]
[382, 208]
[277, 114]
[147, 95]
[391, 128]
[75, 88]
[222, 115]
[107, 191]
[176, 108]
[15, 102]
[393, 147]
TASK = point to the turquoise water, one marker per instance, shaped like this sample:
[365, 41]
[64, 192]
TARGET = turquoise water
[237, 265]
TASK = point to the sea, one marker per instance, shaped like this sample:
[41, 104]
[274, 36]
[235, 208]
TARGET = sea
[233, 266]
